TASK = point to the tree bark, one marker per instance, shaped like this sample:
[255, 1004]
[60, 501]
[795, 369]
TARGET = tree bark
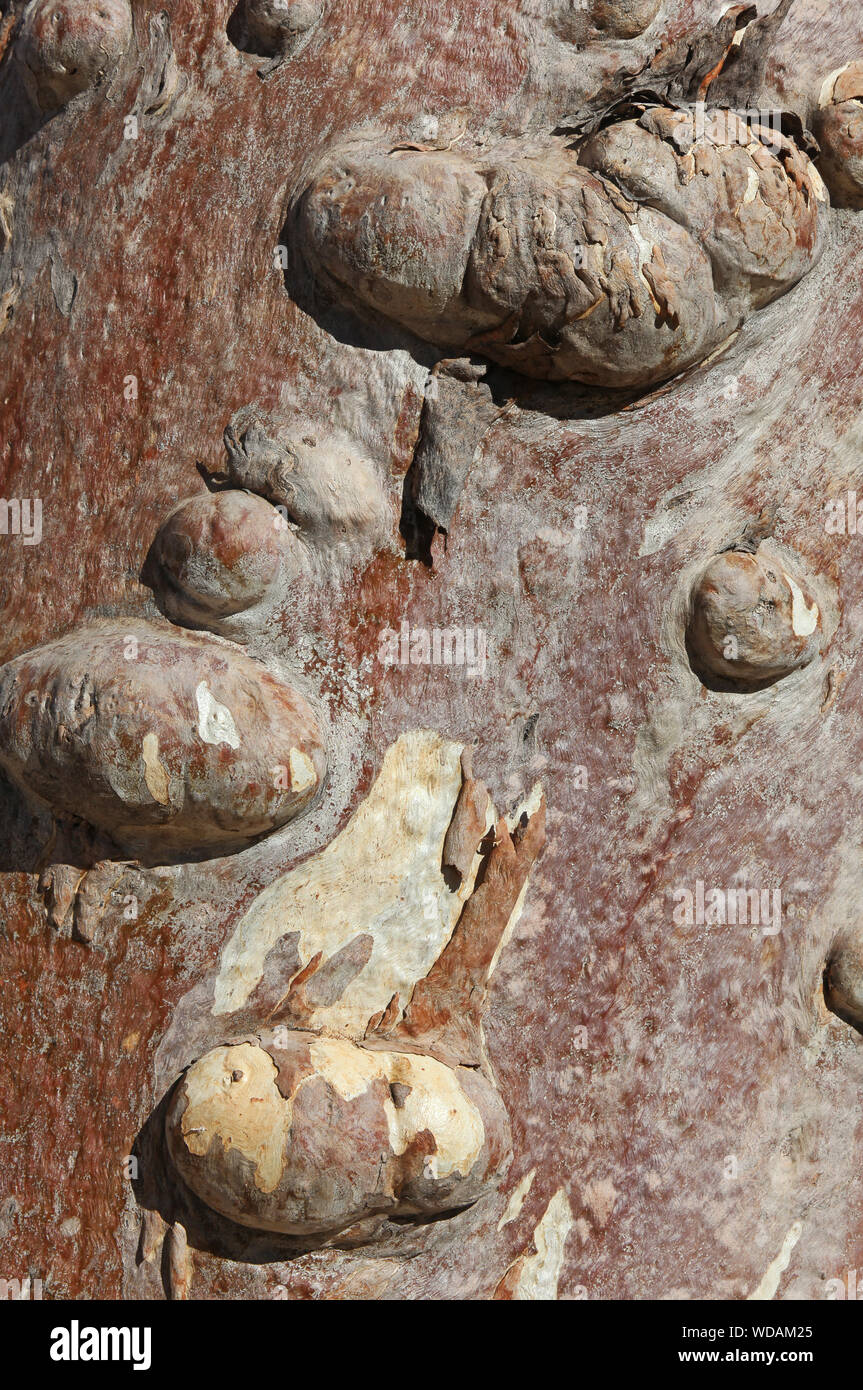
[203, 294]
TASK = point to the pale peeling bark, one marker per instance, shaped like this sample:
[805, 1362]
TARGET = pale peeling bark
[430, 695]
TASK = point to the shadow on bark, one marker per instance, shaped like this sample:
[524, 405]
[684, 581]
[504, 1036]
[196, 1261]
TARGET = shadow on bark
[19, 118]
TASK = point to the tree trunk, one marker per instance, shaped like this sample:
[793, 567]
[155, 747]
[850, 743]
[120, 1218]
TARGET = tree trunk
[431, 859]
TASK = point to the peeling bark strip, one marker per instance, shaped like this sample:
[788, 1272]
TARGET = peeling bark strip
[751, 622]
[152, 1235]
[167, 742]
[458, 411]
[469, 822]
[446, 1008]
[611, 265]
[179, 1260]
[376, 920]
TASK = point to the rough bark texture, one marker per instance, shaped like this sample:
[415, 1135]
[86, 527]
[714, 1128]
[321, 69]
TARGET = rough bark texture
[645, 440]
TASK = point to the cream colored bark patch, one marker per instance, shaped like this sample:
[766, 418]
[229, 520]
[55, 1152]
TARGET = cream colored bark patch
[540, 1273]
[435, 1101]
[302, 770]
[817, 182]
[215, 721]
[645, 256]
[774, 1272]
[155, 776]
[804, 619]
[517, 1200]
[825, 96]
[347, 1068]
[232, 1096]
[381, 876]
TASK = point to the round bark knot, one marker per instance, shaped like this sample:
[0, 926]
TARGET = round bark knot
[751, 622]
[324, 1133]
[218, 554]
[173, 743]
[597, 21]
[749, 197]
[621, 263]
[839, 131]
[68, 46]
[624, 19]
[269, 28]
[333, 508]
